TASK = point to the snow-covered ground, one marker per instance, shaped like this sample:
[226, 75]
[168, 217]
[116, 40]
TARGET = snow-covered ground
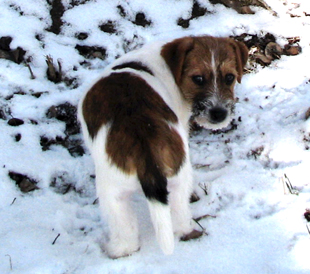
[254, 224]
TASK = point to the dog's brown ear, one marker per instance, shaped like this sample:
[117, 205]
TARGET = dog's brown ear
[242, 54]
[174, 54]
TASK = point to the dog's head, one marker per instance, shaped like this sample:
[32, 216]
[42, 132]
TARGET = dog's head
[206, 69]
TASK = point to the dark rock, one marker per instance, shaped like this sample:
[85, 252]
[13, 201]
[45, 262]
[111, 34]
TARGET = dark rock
[46, 142]
[307, 115]
[307, 215]
[73, 145]
[184, 23]
[76, 151]
[18, 137]
[197, 11]
[194, 198]
[74, 3]
[16, 55]
[108, 27]
[24, 182]
[5, 42]
[66, 113]
[91, 52]
[71, 82]
[141, 20]
[82, 36]
[15, 122]
[38, 94]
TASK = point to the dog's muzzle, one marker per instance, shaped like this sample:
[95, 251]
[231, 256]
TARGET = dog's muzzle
[213, 116]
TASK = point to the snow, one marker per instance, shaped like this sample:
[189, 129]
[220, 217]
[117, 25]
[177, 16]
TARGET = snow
[254, 226]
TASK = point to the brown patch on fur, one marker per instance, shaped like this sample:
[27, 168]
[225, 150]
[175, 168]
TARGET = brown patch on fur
[228, 67]
[174, 54]
[139, 124]
[242, 54]
[193, 57]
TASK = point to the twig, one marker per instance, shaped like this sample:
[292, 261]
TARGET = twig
[59, 69]
[30, 70]
[289, 185]
[13, 201]
[56, 239]
[204, 187]
[10, 259]
[202, 228]
[196, 220]
[284, 188]
[204, 217]
[308, 228]
[86, 249]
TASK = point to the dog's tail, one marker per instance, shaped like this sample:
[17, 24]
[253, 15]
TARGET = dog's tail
[161, 219]
[154, 185]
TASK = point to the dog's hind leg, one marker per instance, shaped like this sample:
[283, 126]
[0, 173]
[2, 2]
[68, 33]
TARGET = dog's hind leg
[114, 191]
[180, 188]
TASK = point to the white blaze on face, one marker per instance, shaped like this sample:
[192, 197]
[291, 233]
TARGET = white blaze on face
[213, 65]
[214, 101]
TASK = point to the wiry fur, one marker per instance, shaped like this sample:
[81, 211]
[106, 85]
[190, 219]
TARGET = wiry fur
[135, 121]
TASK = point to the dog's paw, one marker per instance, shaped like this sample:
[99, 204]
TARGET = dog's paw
[116, 254]
[192, 235]
[121, 248]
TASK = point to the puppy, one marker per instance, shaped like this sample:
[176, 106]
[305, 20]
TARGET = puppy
[135, 121]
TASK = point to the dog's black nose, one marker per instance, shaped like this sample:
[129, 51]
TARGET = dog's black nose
[218, 114]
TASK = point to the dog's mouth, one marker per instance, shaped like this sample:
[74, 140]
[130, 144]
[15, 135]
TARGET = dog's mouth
[212, 116]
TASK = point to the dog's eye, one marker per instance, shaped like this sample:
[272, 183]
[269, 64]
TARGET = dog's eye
[229, 78]
[198, 80]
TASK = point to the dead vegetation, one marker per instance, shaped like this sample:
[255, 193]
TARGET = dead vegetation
[243, 6]
[264, 49]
